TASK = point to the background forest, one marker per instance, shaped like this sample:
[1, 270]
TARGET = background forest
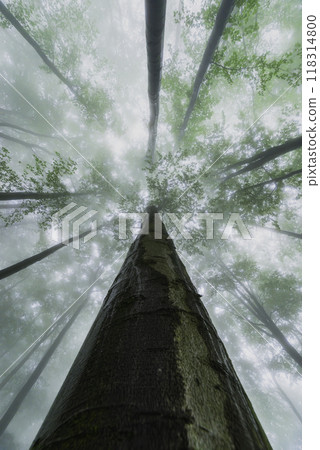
[74, 116]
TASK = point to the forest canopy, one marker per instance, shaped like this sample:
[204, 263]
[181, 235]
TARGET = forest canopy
[218, 132]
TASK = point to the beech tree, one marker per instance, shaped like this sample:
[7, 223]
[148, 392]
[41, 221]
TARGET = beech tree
[223, 14]
[15, 268]
[157, 352]
[222, 136]
[83, 93]
[155, 20]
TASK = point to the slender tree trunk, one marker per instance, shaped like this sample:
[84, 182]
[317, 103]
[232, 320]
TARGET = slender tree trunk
[21, 142]
[262, 158]
[15, 268]
[25, 389]
[288, 400]
[6, 378]
[286, 233]
[17, 25]
[256, 308]
[273, 180]
[12, 205]
[178, 29]
[283, 341]
[152, 373]
[155, 22]
[223, 14]
[25, 130]
[251, 302]
[7, 196]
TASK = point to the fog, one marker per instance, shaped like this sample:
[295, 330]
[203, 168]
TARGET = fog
[244, 109]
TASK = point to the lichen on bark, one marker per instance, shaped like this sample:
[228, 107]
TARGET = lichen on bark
[153, 372]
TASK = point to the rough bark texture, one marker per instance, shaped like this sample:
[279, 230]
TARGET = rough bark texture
[223, 14]
[155, 22]
[152, 373]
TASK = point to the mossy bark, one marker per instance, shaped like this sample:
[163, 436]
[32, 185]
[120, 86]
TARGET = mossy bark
[152, 373]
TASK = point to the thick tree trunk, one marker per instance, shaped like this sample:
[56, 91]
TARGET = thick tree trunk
[223, 14]
[17, 25]
[23, 392]
[155, 22]
[152, 373]
[262, 158]
[15, 268]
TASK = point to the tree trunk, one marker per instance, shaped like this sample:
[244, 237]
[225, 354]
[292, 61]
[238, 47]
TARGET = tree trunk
[21, 142]
[262, 158]
[256, 308]
[17, 25]
[6, 378]
[155, 22]
[152, 372]
[286, 233]
[15, 268]
[251, 302]
[23, 392]
[7, 196]
[274, 180]
[223, 14]
[25, 130]
[283, 341]
[288, 400]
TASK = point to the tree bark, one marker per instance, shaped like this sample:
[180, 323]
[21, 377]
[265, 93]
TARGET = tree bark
[155, 23]
[262, 158]
[23, 392]
[152, 372]
[15, 268]
[223, 14]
